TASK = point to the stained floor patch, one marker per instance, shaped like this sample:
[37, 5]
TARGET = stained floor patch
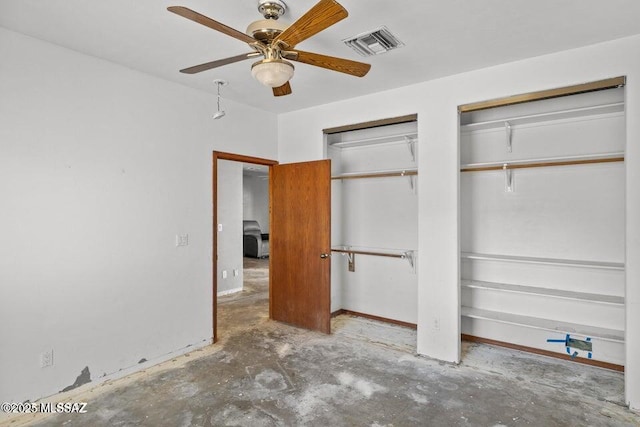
[83, 378]
[365, 374]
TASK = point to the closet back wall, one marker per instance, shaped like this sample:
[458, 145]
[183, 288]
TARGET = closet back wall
[378, 215]
[544, 256]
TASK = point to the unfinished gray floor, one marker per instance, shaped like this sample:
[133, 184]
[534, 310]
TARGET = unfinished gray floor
[365, 374]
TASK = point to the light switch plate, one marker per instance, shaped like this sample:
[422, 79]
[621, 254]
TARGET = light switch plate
[182, 239]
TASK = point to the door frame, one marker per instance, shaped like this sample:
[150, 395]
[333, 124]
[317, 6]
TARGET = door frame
[220, 155]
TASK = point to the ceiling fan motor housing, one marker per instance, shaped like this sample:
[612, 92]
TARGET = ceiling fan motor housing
[268, 28]
[265, 30]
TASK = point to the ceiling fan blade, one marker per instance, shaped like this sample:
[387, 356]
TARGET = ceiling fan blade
[342, 65]
[208, 22]
[220, 62]
[285, 89]
[321, 16]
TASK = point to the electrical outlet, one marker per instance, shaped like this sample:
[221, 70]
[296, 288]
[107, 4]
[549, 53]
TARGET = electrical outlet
[436, 323]
[46, 359]
[235, 272]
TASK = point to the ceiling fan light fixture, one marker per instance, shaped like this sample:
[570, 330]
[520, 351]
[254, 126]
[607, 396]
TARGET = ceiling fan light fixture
[272, 72]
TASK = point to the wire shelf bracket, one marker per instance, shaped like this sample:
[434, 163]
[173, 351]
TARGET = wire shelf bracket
[507, 129]
[411, 145]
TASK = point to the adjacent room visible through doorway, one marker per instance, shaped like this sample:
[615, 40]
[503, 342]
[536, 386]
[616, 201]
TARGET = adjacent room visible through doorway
[241, 235]
[248, 303]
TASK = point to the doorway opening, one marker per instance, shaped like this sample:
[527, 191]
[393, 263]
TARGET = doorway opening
[255, 215]
[231, 270]
[299, 240]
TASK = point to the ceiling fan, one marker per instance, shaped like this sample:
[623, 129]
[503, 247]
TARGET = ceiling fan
[275, 42]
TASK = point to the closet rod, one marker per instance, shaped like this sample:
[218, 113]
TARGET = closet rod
[555, 159]
[506, 165]
[376, 175]
[351, 251]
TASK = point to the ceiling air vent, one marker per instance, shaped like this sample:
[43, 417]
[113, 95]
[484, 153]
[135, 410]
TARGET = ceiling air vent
[373, 42]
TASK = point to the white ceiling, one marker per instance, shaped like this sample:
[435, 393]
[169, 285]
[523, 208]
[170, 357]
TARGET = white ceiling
[442, 37]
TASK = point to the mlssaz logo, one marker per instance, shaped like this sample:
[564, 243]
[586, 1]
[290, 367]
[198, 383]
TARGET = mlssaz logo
[71, 407]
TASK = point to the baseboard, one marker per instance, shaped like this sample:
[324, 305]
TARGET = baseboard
[372, 317]
[229, 291]
[600, 364]
[109, 382]
[472, 338]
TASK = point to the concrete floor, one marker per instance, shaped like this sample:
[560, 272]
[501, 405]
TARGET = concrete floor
[366, 373]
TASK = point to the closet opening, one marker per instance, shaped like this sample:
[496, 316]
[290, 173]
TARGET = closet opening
[374, 223]
[542, 222]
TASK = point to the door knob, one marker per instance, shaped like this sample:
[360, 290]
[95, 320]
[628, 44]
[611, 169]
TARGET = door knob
[323, 256]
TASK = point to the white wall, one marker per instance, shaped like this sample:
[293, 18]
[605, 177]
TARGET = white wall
[435, 102]
[230, 218]
[256, 200]
[100, 168]
[379, 215]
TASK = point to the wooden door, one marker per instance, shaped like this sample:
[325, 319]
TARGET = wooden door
[300, 239]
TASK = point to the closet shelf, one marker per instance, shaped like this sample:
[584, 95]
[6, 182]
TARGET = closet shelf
[546, 261]
[377, 174]
[534, 290]
[544, 162]
[617, 107]
[401, 137]
[545, 324]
